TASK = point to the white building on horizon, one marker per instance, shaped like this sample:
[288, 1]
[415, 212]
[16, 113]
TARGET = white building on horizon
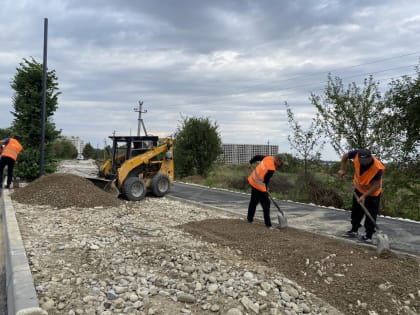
[242, 153]
[79, 145]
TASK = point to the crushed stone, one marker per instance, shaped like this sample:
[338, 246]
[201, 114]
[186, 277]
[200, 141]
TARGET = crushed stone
[62, 190]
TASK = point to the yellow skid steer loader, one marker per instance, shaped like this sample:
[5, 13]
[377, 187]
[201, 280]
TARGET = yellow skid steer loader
[139, 164]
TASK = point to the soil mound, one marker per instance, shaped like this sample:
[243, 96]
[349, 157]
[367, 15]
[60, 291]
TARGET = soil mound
[64, 191]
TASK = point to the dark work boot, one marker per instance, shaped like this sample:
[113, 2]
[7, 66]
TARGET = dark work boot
[351, 233]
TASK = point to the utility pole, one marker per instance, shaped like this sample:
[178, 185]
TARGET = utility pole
[140, 120]
[44, 99]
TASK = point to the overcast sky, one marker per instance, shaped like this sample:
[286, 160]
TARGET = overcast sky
[235, 62]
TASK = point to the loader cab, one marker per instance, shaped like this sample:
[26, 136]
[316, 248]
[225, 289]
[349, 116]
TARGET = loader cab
[140, 146]
[127, 147]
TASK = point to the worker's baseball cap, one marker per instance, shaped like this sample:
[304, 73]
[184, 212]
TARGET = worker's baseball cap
[17, 137]
[279, 158]
[365, 156]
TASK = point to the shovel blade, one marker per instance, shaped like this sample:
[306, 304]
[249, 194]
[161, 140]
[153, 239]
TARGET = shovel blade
[383, 243]
[282, 221]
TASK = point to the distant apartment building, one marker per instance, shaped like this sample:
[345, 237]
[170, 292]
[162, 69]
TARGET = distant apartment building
[242, 153]
[79, 144]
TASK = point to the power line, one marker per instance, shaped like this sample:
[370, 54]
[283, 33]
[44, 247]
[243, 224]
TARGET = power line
[320, 89]
[352, 76]
[271, 86]
[353, 66]
[326, 72]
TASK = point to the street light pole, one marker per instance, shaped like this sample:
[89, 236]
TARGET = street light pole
[44, 99]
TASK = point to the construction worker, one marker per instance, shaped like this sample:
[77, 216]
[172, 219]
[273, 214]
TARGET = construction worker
[258, 180]
[367, 180]
[9, 154]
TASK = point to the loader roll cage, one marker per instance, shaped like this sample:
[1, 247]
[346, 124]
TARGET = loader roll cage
[126, 147]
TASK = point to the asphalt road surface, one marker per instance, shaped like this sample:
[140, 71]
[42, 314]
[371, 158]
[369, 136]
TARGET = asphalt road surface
[404, 235]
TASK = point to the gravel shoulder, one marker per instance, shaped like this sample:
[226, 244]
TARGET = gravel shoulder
[162, 256]
[136, 259]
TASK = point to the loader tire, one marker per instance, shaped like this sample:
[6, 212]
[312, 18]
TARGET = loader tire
[134, 189]
[160, 185]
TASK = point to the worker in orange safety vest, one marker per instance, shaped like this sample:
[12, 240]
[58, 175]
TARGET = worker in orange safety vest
[11, 149]
[367, 181]
[259, 180]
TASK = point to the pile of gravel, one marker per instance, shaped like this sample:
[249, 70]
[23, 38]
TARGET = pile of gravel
[64, 191]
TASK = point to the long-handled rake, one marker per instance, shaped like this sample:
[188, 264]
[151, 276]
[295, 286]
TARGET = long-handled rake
[383, 241]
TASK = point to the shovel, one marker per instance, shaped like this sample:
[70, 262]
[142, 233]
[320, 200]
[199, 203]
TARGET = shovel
[383, 241]
[281, 217]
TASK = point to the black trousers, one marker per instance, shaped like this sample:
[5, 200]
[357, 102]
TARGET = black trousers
[10, 163]
[256, 198]
[357, 213]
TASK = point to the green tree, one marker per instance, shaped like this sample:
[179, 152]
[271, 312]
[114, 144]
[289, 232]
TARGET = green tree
[402, 120]
[197, 145]
[307, 144]
[401, 125]
[349, 118]
[89, 152]
[64, 149]
[104, 154]
[5, 133]
[27, 104]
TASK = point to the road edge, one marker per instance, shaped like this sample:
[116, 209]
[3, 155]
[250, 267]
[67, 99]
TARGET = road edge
[20, 289]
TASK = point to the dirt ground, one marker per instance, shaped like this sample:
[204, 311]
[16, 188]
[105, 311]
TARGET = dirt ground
[344, 275]
[348, 276]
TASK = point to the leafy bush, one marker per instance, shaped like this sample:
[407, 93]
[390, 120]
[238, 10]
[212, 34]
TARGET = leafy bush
[197, 145]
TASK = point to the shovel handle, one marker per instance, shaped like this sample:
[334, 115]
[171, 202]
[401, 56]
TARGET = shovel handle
[365, 210]
[275, 203]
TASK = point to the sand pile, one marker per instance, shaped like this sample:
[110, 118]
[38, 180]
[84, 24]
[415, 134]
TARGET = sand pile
[64, 191]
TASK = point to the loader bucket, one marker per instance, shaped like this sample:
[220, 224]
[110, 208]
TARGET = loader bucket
[105, 184]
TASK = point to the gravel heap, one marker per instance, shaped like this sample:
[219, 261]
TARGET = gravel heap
[64, 191]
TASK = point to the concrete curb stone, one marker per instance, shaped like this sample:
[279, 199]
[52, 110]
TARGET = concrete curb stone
[21, 294]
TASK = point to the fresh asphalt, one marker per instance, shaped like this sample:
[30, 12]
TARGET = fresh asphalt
[404, 235]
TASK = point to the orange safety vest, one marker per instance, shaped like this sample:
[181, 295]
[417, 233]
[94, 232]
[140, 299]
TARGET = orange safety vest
[361, 182]
[12, 149]
[256, 179]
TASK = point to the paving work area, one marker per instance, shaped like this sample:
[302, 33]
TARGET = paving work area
[136, 258]
[164, 256]
[404, 234]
